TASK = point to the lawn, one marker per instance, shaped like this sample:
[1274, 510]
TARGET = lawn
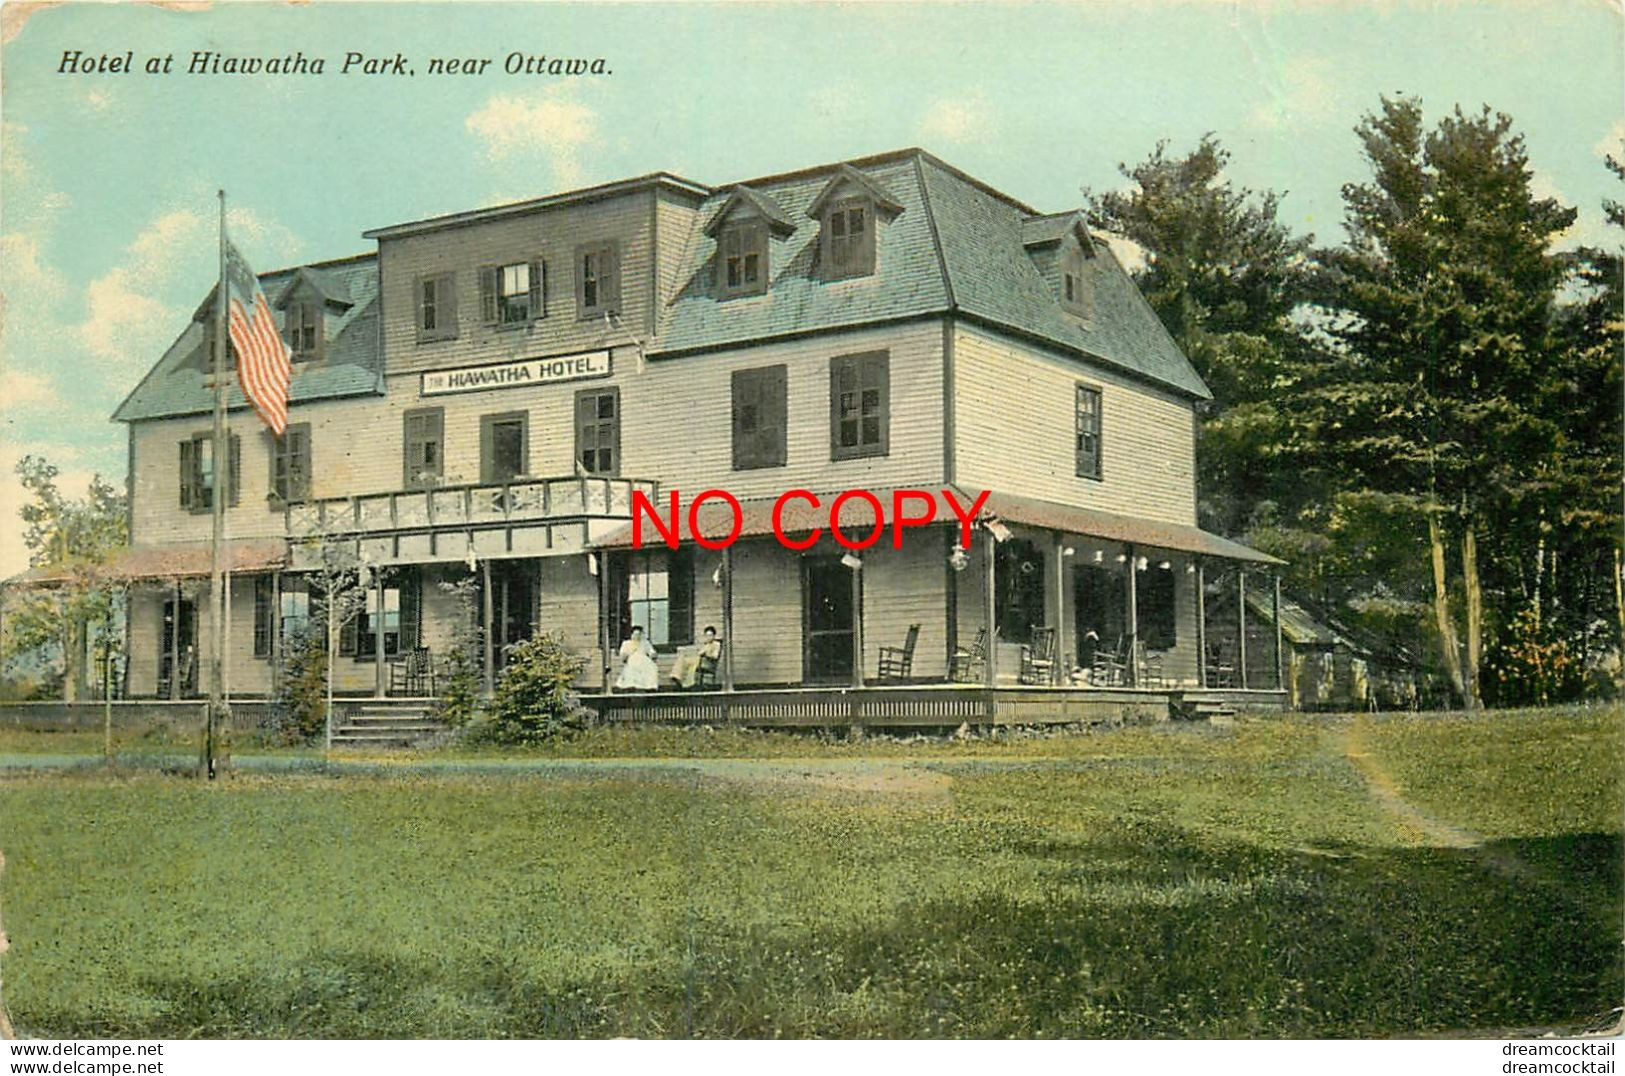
[1283, 877]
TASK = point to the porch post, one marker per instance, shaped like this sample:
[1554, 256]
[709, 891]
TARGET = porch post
[174, 643]
[727, 619]
[604, 638]
[276, 629]
[1131, 670]
[224, 668]
[1275, 614]
[1241, 628]
[378, 634]
[1201, 624]
[988, 593]
[485, 636]
[1060, 673]
[857, 624]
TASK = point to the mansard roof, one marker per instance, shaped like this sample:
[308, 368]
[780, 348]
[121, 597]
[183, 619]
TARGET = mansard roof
[178, 385]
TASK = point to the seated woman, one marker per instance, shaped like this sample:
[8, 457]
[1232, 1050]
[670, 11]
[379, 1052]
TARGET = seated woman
[687, 666]
[638, 669]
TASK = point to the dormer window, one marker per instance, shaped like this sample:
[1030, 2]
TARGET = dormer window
[1076, 296]
[302, 328]
[743, 258]
[849, 241]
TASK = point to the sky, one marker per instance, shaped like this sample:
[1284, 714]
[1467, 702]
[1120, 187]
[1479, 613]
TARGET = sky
[108, 178]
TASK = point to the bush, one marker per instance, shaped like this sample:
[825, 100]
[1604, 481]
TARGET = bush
[462, 674]
[535, 698]
[1531, 666]
[299, 713]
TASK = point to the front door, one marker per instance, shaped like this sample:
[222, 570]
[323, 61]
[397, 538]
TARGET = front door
[1097, 617]
[513, 604]
[180, 648]
[830, 608]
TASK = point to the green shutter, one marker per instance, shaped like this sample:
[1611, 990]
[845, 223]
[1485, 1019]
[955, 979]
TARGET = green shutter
[234, 460]
[680, 595]
[188, 475]
[411, 610]
[488, 294]
[773, 399]
[538, 289]
[348, 632]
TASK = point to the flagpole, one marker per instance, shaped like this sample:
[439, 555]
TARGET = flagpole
[220, 465]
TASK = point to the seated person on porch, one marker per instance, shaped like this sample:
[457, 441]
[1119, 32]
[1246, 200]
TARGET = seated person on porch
[638, 669]
[686, 668]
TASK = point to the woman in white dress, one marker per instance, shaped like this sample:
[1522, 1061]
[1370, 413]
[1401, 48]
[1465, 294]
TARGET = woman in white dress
[638, 669]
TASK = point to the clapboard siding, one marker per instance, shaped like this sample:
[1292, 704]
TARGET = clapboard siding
[902, 587]
[568, 607]
[1014, 431]
[551, 234]
[674, 231]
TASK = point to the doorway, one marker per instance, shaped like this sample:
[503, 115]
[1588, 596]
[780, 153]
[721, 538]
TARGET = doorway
[1097, 604]
[513, 605]
[830, 607]
[178, 643]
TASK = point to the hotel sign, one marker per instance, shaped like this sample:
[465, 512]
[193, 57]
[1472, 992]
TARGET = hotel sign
[578, 367]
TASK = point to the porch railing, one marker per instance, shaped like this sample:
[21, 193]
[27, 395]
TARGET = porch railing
[537, 500]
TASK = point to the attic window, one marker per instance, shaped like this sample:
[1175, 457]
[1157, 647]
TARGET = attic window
[849, 240]
[1076, 295]
[302, 328]
[742, 260]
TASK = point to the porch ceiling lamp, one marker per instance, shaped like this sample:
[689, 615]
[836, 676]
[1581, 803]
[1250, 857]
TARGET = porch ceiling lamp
[1100, 556]
[1165, 565]
[592, 563]
[1068, 551]
[1142, 564]
[852, 560]
[1122, 558]
[958, 560]
[716, 577]
[1190, 568]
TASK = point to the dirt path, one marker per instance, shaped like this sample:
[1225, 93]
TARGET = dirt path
[1413, 822]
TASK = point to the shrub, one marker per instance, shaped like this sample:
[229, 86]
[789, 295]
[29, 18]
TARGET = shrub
[1531, 665]
[299, 713]
[535, 698]
[461, 675]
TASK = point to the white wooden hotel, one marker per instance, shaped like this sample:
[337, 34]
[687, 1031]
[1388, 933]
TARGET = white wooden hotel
[481, 395]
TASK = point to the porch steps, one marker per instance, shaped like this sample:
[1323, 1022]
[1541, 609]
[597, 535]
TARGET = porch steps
[386, 726]
[1209, 709]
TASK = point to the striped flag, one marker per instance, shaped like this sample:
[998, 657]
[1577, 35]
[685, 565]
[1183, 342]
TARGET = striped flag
[263, 362]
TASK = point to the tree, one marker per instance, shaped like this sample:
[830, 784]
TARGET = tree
[1442, 303]
[1224, 275]
[74, 539]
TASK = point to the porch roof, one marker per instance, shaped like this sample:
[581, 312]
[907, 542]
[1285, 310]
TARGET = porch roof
[715, 518]
[1180, 537]
[170, 561]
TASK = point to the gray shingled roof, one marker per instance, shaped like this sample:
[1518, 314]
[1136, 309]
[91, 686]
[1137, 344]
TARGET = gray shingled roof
[177, 386]
[956, 245]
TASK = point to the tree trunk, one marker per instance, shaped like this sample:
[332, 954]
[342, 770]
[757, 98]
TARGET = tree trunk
[1619, 599]
[1441, 609]
[1475, 615]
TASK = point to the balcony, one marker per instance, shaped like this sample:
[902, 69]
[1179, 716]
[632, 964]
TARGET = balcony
[526, 516]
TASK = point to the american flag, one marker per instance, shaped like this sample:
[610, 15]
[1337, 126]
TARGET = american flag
[263, 362]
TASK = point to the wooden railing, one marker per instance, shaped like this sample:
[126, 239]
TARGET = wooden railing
[536, 500]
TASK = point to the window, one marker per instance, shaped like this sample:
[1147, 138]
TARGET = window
[290, 464]
[849, 241]
[437, 308]
[1018, 573]
[504, 447]
[1154, 601]
[302, 328]
[598, 431]
[657, 592]
[760, 404]
[859, 405]
[423, 460]
[294, 614]
[598, 280]
[742, 259]
[197, 472]
[512, 296]
[1076, 297]
[1088, 432]
[397, 618]
[264, 616]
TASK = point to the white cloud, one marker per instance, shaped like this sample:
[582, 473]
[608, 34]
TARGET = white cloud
[956, 120]
[1612, 143]
[1301, 95]
[23, 276]
[550, 124]
[22, 387]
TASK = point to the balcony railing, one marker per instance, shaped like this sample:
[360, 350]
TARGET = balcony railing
[538, 500]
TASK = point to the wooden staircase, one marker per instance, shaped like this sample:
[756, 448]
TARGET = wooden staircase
[386, 725]
[1198, 706]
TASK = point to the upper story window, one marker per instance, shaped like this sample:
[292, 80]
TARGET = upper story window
[849, 240]
[1076, 295]
[598, 431]
[514, 295]
[1087, 430]
[504, 447]
[290, 464]
[197, 472]
[598, 279]
[424, 461]
[760, 407]
[859, 405]
[437, 307]
[742, 256]
[302, 328]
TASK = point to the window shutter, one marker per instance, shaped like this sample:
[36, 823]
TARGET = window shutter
[262, 616]
[234, 458]
[348, 632]
[612, 278]
[488, 294]
[680, 597]
[620, 613]
[188, 475]
[417, 309]
[538, 289]
[299, 462]
[775, 419]
[411, 612]
[415, 436]
[445, 305]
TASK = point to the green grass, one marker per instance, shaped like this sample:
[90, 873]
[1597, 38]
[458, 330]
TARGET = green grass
[1161, 881]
